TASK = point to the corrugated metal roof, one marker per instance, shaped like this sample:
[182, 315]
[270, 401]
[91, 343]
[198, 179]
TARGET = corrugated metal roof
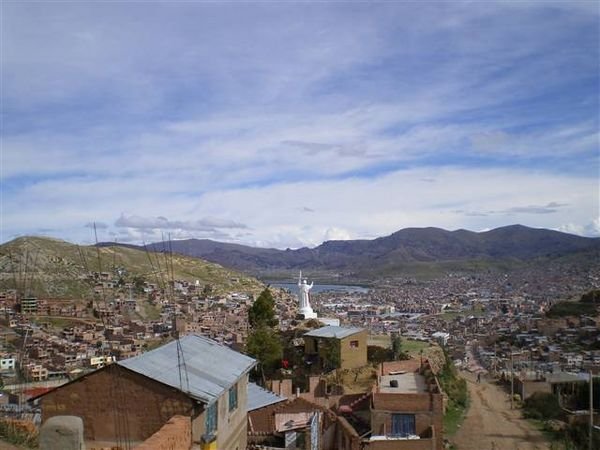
[259, 397]
[333, 332]
[211, 367]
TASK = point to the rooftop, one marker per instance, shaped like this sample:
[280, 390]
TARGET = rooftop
[259, 397]
[333, 332]
[404, 383]
[211, 367]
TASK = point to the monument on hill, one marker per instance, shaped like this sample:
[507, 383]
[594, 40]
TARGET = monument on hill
[304, 299]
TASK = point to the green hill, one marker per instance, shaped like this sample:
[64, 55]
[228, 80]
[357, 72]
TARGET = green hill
[53, 268]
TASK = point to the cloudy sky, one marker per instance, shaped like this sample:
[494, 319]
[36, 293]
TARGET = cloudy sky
[286, 124]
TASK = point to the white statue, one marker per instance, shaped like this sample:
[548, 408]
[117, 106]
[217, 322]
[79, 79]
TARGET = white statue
[304, 297]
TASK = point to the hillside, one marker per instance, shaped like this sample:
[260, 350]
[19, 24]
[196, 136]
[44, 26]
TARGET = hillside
[408, 250]
[50, 267]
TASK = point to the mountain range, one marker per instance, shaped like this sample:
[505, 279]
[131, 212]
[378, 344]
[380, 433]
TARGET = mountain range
[409, 247]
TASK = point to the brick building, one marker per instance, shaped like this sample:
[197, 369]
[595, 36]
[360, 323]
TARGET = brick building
[346, 345]
[403, 412]
[131, 400]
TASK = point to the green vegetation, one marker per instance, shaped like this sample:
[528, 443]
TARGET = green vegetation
[19, 433]
[57, 322]
[586, 306]
[455, 388]
[563, 309]
[542, 406]
[410, 346]
[331, 354]
[58, 269]
[413, 347]
[398, 352]
[262, 311]
[592, 296]
[376, 354]
[264, 343]
[151, 312]
[392, 348]
[544, 411]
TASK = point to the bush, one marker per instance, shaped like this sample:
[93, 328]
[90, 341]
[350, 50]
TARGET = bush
[377, 354]
[542, 406]
[19, 432]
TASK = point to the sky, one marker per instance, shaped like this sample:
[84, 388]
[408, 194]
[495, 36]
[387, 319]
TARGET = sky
[286, 124]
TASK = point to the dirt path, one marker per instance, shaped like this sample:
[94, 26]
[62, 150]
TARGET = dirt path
[490, 424]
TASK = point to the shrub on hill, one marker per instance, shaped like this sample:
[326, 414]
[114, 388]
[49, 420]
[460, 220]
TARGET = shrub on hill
[563, 309]
[591, 297]
[542, 406]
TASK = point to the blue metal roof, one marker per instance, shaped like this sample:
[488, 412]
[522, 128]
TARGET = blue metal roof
[259, 397]
[211, 367]
[333, 332]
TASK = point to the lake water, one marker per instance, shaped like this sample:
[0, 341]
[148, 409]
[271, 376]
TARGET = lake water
[317, 288]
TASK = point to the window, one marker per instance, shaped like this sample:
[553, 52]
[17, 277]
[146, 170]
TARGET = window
[353, 344]
[212, 416]
[403, 425]
[233, 397]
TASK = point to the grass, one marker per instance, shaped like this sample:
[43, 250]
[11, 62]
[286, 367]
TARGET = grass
[151, 312]
[413, 347]
[381, 340]
[455, 387]
[410, 346]
[57, 322]
[56, 268]
[453, 418]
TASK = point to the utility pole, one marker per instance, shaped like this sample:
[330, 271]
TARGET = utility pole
[591, 440]
[512, 381]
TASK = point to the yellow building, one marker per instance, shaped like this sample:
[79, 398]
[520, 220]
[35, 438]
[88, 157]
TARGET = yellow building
[337, 347]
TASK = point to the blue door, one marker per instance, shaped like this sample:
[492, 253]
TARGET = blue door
[403, 425]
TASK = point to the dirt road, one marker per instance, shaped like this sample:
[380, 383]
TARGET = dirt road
[490, 424]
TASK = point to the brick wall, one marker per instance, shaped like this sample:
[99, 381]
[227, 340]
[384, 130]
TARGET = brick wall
[176, 434]
[427, 408]
[115, 398]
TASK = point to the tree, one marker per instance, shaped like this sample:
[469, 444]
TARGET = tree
[206, 291]
[264, 345]
[262, 311]
[331, 354]
[138, 284]
[397, 353]
[377, 354]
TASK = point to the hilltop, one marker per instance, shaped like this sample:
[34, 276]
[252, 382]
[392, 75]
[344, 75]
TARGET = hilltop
[408, 251]
[54, 268]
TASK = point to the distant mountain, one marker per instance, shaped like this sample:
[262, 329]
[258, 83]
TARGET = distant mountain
[55, 268]
[414, 246]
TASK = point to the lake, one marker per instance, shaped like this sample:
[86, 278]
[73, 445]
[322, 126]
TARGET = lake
[345, 288]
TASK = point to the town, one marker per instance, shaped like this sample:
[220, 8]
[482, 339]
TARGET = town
[495, 324]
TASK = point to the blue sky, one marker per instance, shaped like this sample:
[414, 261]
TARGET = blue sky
[287, 124]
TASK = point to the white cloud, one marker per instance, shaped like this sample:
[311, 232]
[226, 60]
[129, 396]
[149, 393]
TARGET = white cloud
[162, 223]
[239, 115]
[337, 234]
